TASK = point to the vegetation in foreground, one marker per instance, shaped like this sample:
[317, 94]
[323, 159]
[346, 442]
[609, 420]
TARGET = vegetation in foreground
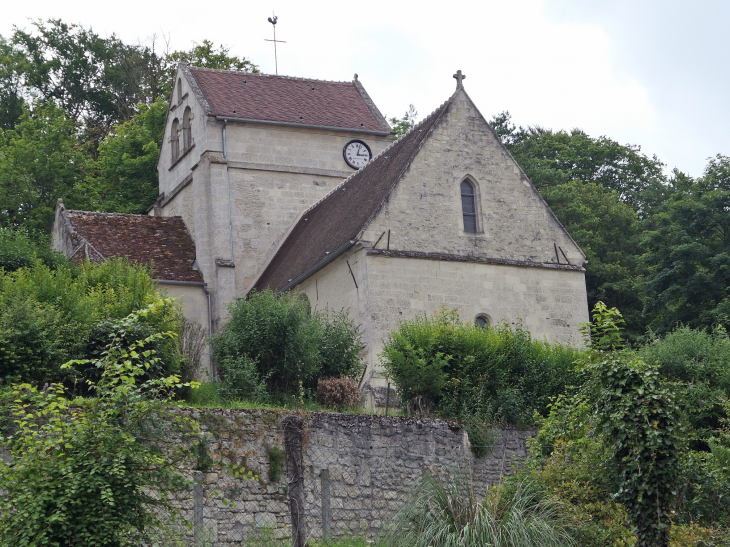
[98, 469]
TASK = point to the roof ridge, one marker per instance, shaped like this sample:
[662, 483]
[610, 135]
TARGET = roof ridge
[114, 214]
[261, 74]
[377, 156]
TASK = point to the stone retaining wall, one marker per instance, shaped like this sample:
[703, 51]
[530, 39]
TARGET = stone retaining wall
[359, 469]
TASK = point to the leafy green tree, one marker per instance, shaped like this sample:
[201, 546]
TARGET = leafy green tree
[101, 470]
[40, 161]
[402, 125]
[274, 344]
[124, 178]
[552, 157]
[609, 233]
[687, 252]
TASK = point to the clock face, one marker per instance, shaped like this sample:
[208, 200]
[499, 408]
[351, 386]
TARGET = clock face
[357, 154]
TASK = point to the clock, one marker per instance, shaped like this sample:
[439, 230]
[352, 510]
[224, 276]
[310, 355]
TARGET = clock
[356, 154]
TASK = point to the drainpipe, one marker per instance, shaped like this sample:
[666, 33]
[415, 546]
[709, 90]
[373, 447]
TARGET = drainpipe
[228, 182]
[210, 333]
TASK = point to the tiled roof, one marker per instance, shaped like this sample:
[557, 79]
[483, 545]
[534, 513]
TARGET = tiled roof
[285, 99]
[163, 240]
[340, 216]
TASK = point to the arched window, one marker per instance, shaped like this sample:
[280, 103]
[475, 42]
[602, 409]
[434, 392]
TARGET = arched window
[174, 140]
[187, 134]
[482, 321]
[179, 91]
[468, 206]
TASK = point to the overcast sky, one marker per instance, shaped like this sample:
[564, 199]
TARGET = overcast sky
[647, 72]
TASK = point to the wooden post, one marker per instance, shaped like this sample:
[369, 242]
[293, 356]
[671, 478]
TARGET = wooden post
[326, 507]
[198, 508]
[293, 438]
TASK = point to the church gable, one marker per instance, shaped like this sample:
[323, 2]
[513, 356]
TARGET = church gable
[463, 195]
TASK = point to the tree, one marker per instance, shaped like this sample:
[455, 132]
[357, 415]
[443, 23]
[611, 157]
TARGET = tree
[609, 232]
[402, 125]
[552, 157]
[687, 252]
[40, 161]
[125, 175]
[98, 470]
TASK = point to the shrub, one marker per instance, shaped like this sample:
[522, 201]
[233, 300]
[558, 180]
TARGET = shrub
[48, 316]
[20, 250]
[96, 470]
[445, 512]
[463, 371]
[276, 342]
[339, 393]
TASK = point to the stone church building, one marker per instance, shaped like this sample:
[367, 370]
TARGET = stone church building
[290, 183]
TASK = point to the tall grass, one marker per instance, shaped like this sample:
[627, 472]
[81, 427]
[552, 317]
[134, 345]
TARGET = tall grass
[445, 512]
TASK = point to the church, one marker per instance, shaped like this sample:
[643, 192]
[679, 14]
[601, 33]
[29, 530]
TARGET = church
[282, 183]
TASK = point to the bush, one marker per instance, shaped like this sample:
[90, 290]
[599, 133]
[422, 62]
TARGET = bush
[274, 345]
[101, 470]
[463, 371]
[49, 316]
[20, 250]
[338, 393]
[445, 512]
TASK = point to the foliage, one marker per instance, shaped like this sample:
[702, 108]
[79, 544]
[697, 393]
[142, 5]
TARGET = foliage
[445, 512]
[338, 393]
[274, 341]
[40, 161]
[638, 413]
[463, 371]
[50, 316]
[20, 250]
[402, 125]
[687, 252]
[124, 177]
[98, 470]
[277, 462]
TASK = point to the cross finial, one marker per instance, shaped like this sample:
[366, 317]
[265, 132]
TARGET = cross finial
[459, 77]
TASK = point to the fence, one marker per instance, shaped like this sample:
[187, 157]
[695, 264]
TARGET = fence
[344, 478]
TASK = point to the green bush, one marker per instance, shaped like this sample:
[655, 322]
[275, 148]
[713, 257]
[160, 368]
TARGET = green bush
[463, 371]
[101, 470]
[48, 316]
[20, 250]
[274, 345]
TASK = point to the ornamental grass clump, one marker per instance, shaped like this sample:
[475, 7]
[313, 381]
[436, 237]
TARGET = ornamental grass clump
[446, 512]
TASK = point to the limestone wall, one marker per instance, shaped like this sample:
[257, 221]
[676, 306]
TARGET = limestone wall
[359, 470]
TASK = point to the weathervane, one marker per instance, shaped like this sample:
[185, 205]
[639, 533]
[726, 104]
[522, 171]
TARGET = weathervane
[273, 21]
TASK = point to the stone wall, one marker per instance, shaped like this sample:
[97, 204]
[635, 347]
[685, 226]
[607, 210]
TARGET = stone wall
[359, 470]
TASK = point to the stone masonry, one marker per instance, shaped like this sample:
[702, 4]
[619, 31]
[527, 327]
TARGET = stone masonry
[359, 469]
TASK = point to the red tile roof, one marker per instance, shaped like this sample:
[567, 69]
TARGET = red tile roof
[284, 99]
[340, 217]
[163, 240]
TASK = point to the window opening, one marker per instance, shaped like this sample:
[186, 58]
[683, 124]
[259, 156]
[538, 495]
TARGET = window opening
[179, 91]
[481, 321]
[174, 140]
[468, 206]
[187, 134]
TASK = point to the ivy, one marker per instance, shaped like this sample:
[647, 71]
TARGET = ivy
[636, 410]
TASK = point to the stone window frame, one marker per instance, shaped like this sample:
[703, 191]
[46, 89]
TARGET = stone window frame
[187, 128]
[175, 140]
[477, 206]
[484, 317]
